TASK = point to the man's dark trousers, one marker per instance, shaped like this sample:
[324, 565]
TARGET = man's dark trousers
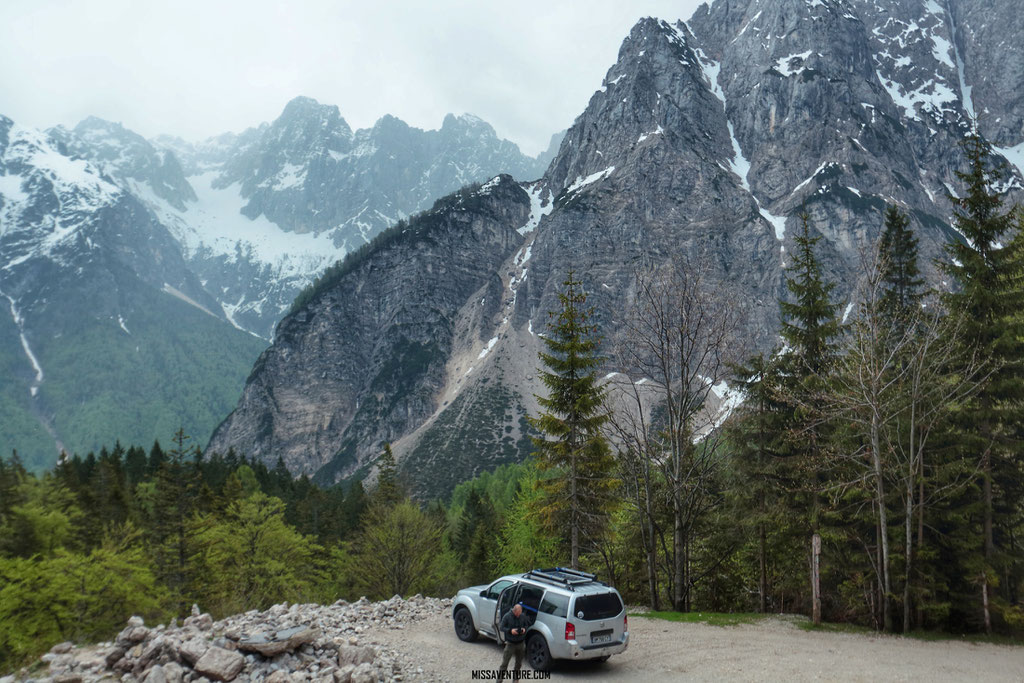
[517, 649]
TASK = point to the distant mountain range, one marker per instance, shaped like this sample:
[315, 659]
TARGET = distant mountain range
[140, 279]
[705, 142]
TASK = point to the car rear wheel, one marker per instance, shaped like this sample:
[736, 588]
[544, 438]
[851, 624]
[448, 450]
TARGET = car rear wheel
[537, 653]
[464, 627]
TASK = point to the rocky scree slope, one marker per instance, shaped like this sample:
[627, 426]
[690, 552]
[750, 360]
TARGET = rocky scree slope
[284, 644]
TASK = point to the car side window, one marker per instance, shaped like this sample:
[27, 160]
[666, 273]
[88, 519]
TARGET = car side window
[495, 590]
[555, 604]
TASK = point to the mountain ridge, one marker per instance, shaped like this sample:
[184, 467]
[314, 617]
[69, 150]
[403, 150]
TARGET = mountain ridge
[705, 143]
[82, 208]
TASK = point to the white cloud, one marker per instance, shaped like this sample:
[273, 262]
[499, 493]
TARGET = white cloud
[198, 68]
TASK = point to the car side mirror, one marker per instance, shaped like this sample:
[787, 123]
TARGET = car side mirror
[483, 594]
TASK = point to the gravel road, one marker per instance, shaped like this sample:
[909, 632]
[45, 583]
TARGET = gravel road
[770, 650]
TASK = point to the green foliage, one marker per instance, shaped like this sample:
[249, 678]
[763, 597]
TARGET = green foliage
[40, 519]
[526, 541]
[985, 314]
[178, 483]
[474, 536]
[398, 551]
[251, 558]
[809, 323]
[44, 600]
[499, 487]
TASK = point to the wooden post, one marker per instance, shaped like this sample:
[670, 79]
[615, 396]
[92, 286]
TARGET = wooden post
[984, 604]
[816, 579]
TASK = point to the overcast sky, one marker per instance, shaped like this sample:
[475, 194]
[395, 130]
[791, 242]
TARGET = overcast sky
[196, 68]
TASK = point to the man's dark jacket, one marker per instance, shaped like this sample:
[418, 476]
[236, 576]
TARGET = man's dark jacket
[511, 621]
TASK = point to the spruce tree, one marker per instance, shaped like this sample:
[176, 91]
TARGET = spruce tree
[986, 313]
[810, 327]
[757, 434]
[810, 330]
[899, 271]
[177, 482]
[579, 500]
[389, 491]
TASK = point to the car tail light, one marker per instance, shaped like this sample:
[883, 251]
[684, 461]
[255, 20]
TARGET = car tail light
[625, 623]
[570, 631]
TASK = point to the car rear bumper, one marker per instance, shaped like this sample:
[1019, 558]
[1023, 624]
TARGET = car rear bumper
[572, 649]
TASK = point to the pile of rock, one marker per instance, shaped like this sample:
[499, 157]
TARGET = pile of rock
[284, 644]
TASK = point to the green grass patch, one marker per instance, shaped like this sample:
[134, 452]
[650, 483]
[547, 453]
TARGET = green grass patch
[966, 638]
[712, 618]
[808, 625]
[936, 636]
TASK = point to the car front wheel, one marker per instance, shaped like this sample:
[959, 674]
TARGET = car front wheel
[464, 627]
[537, 652]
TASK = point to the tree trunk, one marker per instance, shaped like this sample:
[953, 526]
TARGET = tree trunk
[878, 616]
[815, 580]
[652, 569]
[574, 521]
[883, 524]
[763, 582]
[909, 548]
[920, 528]
[652, 545]
[677, 548]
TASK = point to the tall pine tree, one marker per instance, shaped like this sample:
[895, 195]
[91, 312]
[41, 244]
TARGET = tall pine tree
[756, 435]
[578, 501]
[901, 276]
[986, 311]
[389, 491]
[810, 330]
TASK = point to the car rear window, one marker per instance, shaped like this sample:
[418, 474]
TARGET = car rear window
[600, 606]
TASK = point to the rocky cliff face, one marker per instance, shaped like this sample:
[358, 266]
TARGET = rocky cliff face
[364, 361]
[705, 142]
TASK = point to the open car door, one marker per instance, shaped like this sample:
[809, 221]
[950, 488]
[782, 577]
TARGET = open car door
[505, 602]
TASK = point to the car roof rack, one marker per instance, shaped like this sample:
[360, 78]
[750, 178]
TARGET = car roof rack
[562, 576]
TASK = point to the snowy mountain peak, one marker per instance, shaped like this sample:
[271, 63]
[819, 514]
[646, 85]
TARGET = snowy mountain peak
[307, 119]
[467, 125]
[127, 158]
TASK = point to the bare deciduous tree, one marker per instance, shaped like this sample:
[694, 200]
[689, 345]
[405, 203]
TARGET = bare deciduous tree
[678, 347]
[893, 385]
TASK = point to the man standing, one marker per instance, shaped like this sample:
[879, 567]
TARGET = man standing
[513, 626]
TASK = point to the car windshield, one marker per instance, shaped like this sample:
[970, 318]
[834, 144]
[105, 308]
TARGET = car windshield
[600, 606]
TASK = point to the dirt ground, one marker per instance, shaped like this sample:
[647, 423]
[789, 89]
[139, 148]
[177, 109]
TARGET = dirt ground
[770, 650]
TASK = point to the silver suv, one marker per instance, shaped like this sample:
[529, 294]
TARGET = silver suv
[575, 616]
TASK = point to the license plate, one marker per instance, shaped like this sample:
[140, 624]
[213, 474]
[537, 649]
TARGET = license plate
[601, 639]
